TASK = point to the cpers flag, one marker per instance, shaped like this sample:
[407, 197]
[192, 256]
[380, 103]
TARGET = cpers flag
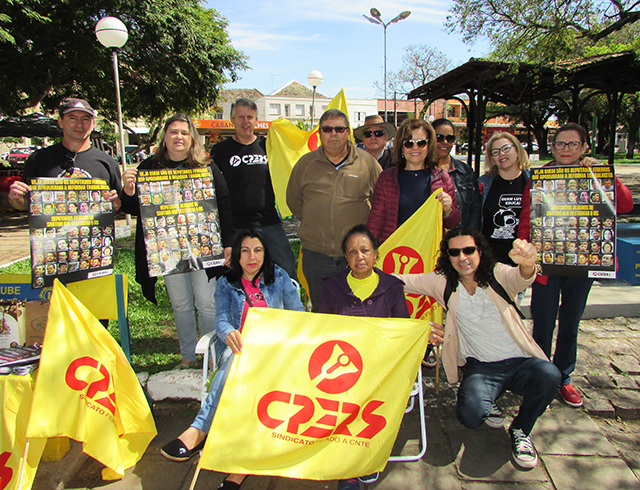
[314, 396]
[413, 249]
[286, 143]
[86, 389]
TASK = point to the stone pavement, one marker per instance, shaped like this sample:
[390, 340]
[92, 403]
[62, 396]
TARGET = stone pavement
[590, 448]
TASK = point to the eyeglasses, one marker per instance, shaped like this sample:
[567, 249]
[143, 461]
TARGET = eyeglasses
[455, 252]
[504, 149]
[379, 133]
[561, 145]
[337, 129]
[450, 138]
[409, 143]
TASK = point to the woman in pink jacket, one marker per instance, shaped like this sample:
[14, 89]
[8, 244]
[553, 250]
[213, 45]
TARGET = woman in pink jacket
[402, 189]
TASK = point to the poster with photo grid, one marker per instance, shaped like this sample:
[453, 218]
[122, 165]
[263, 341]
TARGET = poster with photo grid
[71, 230]
[179, 214]
[573, 221]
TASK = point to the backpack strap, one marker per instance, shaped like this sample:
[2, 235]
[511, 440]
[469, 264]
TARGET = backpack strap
[448, 289]
[497, 287]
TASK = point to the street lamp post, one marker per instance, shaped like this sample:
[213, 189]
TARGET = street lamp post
[376, 18]
[112, 33]
[314, 79]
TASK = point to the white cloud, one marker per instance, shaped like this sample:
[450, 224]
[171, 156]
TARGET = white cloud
[257, 40]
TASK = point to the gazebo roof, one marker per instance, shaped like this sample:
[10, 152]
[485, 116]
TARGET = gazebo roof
[516, 83]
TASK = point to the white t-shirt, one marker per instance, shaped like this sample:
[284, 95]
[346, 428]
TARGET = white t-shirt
[481, 330]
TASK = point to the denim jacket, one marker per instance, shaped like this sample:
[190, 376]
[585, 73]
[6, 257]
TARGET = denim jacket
[230, 299]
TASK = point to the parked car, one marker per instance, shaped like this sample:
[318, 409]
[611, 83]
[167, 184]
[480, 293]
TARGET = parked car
[18, 156]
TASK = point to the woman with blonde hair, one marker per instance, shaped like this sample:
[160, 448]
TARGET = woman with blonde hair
[180, 147]
[507, 172]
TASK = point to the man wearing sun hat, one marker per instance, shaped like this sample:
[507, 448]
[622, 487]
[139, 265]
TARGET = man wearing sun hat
[74, 157]
[375, 133]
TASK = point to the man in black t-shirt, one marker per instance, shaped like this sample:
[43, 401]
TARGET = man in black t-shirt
[73, 158]
[243, 162]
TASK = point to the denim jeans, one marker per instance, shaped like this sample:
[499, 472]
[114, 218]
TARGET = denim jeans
[544, 310]
[182, 288]
[278, 245]
[207, 411]
[483, 383]
[316, 267]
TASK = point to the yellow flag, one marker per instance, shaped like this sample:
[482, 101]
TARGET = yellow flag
[286, 143]
[16, 394]
[413, 249]
[314, 396]
[86, 389]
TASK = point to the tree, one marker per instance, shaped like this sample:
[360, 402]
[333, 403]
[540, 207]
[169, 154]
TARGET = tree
[420, 64]
[176, 59]
[540, 30]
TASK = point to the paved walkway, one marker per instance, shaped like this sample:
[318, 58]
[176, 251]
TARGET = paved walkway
[590, 448]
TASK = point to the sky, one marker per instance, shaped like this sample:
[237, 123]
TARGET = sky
[287, 39]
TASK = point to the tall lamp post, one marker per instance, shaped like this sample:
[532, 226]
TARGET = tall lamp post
[377, 19]
[112, 33]
[314, 79]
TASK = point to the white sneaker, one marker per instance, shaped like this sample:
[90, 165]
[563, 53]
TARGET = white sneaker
[495, 418]
[524, 454]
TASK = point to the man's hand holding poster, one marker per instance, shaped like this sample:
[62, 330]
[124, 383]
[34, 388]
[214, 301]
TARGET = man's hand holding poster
[573, 220]
[179, 214]
[71, 230]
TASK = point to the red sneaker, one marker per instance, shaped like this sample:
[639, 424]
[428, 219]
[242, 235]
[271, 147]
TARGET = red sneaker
[570, 396]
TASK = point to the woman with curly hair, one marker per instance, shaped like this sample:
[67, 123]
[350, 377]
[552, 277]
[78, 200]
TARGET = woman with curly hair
[484, 333]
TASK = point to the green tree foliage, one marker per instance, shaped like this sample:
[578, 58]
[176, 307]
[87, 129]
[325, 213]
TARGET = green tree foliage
[177, 56]
[541, 31]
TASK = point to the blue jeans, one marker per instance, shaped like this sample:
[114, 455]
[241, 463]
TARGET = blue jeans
[544, 310]
[207, 411]
[182, 288]
[483, 383]
[316, 267]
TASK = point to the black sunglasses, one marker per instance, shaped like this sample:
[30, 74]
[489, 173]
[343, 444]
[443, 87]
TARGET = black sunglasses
[337, 129]
[455, 252]
[449, 138]
[409, 143]
[379, 133]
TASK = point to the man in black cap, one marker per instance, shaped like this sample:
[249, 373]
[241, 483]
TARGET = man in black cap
[375, 133]
[74, 157]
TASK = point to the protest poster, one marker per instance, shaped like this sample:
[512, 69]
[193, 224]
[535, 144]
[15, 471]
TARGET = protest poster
[71, 230]
[573, 220]
[180, 221]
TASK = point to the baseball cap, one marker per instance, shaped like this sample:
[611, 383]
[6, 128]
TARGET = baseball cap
[73, 104]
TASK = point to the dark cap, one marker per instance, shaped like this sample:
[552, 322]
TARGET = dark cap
[73, 104]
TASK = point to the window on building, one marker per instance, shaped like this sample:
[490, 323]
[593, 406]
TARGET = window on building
[300, 110]
[359, 116]
[218, 115]
[287, 110]
[451, 111]
[324, 108]
[274, 109]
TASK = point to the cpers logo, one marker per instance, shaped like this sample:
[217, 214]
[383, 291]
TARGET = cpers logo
[99, 391]
[235, 160]
[334, 368]
[405, 260]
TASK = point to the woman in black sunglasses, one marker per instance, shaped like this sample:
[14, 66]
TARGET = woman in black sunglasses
[401, 190]
[463, 176]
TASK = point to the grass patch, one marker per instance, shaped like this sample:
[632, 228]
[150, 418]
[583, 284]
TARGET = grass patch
[154, 341]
